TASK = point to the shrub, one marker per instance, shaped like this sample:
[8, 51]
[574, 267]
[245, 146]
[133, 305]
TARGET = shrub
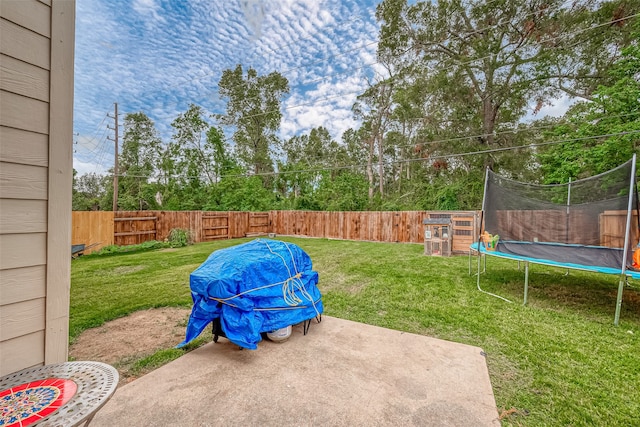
[179, 237]
[144, 246]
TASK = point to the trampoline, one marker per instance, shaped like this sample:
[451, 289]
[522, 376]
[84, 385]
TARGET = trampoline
[590, 224]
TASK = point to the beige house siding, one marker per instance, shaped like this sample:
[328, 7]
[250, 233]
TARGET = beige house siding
[36, 127]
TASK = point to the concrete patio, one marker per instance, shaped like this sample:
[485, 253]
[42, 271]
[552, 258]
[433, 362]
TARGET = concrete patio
[341, 373]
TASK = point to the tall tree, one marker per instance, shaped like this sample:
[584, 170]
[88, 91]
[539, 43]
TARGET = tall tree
[88, 189]
[614, 111]
[308, 159]
[374, 109]
[141, 148]
[194, 145]
[253, 111]
[485, 62]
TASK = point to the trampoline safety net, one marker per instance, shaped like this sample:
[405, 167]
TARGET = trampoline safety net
[590, 212]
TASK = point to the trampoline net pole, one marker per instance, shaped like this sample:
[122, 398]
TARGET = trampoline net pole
[484, 198]
[627, 236]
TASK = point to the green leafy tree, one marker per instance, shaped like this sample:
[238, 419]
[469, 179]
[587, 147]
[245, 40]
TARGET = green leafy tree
[253, 111]
[479, 65]
[193, 161]
[614, 110]
[374, 108]
[238, 192]
[88, 189]
[308, 159]
[193, 146]
[346, 192]
[141, 150]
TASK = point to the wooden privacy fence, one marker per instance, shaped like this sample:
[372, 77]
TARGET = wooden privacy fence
[92, 228]
[134, 227]
[401, 227]
[612, 228]
[576, 227]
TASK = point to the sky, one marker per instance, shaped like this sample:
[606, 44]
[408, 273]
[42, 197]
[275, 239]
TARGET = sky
[158, 57]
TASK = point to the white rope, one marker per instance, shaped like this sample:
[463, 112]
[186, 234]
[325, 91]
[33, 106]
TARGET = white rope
[288, 294]
[289, 287]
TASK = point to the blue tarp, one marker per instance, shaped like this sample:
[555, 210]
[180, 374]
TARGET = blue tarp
[255, 287]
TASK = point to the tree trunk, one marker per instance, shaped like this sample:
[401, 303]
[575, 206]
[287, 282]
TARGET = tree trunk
[381, 163]
[370, 167]
[489, 113]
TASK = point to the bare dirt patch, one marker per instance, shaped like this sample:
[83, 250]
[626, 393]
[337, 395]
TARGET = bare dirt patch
[124, 340]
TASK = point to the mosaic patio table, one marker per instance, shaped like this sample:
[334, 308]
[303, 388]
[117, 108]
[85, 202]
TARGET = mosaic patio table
[65, 394]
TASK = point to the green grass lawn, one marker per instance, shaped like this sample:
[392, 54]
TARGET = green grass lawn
[557, 361]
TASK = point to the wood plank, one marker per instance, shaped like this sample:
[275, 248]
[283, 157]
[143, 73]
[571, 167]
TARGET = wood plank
[30, 14]
[20, 112]
[280, 222]
[23, 216]
[221, 236]
[386, 232]
[613, 226]
[464, 233]
[24, 44]
[60, 181]
[92, 227]
[23, 181]
[300, 228]
[23, 78]
[22, 352]
[146, 218]
[24, 250]
[135, 233]
[20, 284]
[196, 226]
[21, 146]
[132, 228]
[21, 318]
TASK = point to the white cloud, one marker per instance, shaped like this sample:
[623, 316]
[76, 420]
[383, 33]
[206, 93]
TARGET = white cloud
[554, 108]
[148, 9]
[158, 57]
[87, 167]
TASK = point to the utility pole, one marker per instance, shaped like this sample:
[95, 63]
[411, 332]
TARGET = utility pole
[115, 164]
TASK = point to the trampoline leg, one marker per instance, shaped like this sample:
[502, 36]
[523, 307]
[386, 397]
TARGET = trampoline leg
[623, 280]
[478, 278]
[526, 281]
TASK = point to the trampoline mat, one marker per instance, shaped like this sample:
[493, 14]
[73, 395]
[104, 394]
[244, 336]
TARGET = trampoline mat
[599, 256]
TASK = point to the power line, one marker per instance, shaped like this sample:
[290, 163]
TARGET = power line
[510, 131]
[95, 133]
[419, 159]
[99, 144]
